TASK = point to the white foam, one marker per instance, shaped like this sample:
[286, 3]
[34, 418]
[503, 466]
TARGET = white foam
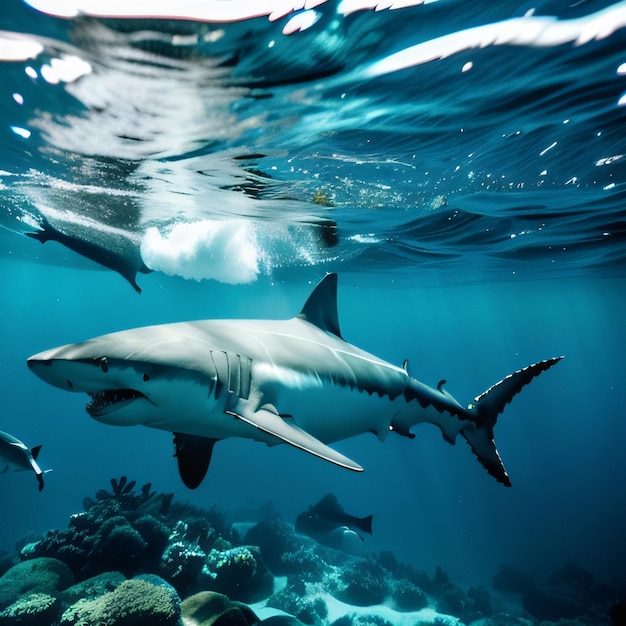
[530, 30]
[223, 250]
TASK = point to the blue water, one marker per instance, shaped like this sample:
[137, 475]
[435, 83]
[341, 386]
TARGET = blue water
[473, 206]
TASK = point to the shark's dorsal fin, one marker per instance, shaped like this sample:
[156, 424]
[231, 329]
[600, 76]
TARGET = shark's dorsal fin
[320, 308]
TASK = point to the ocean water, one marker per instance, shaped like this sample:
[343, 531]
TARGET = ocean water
[462, 166]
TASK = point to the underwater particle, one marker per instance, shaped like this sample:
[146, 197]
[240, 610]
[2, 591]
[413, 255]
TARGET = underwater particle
[438, 202]
[322, 199]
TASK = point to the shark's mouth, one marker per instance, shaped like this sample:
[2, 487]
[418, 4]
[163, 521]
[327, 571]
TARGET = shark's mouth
[104, 402]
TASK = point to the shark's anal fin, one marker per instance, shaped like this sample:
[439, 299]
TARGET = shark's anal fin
[194, 456]
[270, 422]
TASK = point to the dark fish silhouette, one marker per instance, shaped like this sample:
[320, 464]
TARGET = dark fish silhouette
[109, 247]
[326, 517]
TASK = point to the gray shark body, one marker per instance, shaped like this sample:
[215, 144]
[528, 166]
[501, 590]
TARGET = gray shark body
[15, 456]
[293, 381]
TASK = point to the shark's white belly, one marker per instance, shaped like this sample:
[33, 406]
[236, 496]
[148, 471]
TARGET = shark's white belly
[329, 411]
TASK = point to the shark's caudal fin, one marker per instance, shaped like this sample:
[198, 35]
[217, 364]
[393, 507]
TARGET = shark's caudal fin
[489, 405]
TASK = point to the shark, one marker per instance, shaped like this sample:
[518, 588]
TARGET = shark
[295, 381]
[109, 247]
[15, 456]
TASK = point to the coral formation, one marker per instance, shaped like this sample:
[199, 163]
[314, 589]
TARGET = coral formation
[30, 610]
[131, 556]
[40, 575]
[135, 602]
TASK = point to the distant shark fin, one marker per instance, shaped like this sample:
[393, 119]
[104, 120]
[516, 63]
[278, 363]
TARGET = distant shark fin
[489, 405]
[320, 309]
[194, 457]
[268, 421]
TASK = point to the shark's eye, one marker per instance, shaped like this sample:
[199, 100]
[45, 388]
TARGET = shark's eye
[146, 378]
[104, 366]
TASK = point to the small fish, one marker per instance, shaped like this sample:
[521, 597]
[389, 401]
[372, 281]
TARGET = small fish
[15, 457]
[326, 519]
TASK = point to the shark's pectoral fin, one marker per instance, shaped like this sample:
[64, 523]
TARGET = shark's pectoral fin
[269, 421]
[194, 456]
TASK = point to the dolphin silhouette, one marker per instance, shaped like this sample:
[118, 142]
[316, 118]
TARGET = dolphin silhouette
[294, 381]
[15, 457]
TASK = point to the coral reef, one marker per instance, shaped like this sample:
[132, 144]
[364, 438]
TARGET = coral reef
[135, 557]
[135, 602]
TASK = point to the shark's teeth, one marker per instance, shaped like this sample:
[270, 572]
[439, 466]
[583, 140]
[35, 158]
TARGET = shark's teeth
[103, 402]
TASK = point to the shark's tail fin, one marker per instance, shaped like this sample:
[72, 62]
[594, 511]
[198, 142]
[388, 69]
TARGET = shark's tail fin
[489, 405]
[46, 233]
